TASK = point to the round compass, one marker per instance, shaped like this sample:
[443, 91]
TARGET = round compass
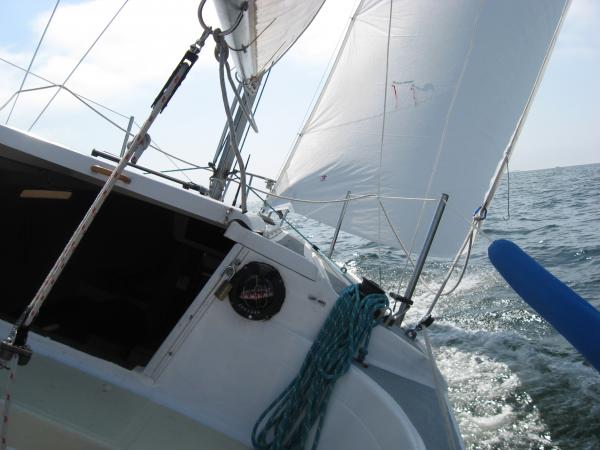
[257, 291]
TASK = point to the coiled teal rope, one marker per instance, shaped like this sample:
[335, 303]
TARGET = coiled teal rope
[287, 422]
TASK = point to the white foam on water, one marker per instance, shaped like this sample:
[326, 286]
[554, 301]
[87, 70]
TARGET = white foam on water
[496, 421]
[513, 392]
[491, 407]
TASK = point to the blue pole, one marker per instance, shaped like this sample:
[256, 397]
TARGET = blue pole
[564, 309]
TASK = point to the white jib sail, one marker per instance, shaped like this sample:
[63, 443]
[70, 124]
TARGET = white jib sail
[423, 100]
[268, 29]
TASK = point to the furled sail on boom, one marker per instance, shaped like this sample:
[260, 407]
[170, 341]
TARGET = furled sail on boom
[268, 29]
[423, 99]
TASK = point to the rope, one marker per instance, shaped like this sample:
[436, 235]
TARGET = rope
[139, 143]
[262, 90]
[242, 105]
[194, 166]
[465, 265]
[243, 142]
[31, 312]
[78, 64]
[288, 421]
[32, 60]
[411, 261]
[345, 199]
[475, 226]
[222, 53]
[440, 292]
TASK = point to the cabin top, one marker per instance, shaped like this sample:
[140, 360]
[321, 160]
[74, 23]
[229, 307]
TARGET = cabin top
[32, 150]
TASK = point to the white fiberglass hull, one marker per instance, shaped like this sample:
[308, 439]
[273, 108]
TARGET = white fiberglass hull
[59, 407]
[133, 353]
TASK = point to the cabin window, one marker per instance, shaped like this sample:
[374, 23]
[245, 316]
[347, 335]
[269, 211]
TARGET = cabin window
[135, 273]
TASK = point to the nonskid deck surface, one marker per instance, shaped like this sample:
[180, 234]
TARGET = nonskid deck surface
[58, 407]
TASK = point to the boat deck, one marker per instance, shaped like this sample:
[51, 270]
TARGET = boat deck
[52, 409]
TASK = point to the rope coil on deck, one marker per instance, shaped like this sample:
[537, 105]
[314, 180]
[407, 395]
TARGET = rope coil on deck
[288, 421]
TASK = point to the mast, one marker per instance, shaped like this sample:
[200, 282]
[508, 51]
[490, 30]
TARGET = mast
[223, 160]
[259, 33]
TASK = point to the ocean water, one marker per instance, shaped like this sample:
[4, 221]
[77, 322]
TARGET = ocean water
[514, 382]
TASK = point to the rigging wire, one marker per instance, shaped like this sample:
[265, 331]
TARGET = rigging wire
[14, 347]
[403, 247]
[358, 197]
[247, 131]
[382, 136]
[241, 103]
[172, 160]
[222, 53]
[262, 90]
[412, 262]
[331, 63]
[446, 122]
[255, 191]
[440, 291]
[464, 268]
[507, 192]
[155, 146]
[86, 101]
[325, 258]
[244, 47]
[28, 71]
[25, 90]
[78, 64]
[185, 169]
[39, 77]
[346, 199]
[81, 98]
[469, 222]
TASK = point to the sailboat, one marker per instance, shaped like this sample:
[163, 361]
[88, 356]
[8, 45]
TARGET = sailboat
[171, 319]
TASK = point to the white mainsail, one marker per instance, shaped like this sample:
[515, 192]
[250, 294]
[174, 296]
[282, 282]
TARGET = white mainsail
[268, 29]
[423, 99]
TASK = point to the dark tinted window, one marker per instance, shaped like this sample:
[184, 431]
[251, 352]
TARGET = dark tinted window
[135, 273]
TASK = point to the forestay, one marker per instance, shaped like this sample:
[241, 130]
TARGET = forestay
[423, 99]
[268, 29]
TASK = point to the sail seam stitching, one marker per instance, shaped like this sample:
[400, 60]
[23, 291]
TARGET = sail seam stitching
[310, 117]
[385, 88]
[454, 95]
[446, 121]
[385, 93]
[515, 136]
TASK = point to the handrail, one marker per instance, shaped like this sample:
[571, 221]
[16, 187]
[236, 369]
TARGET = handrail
[185, 184]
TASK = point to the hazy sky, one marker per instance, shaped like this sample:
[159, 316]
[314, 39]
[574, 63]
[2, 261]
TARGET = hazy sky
[130, 63]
